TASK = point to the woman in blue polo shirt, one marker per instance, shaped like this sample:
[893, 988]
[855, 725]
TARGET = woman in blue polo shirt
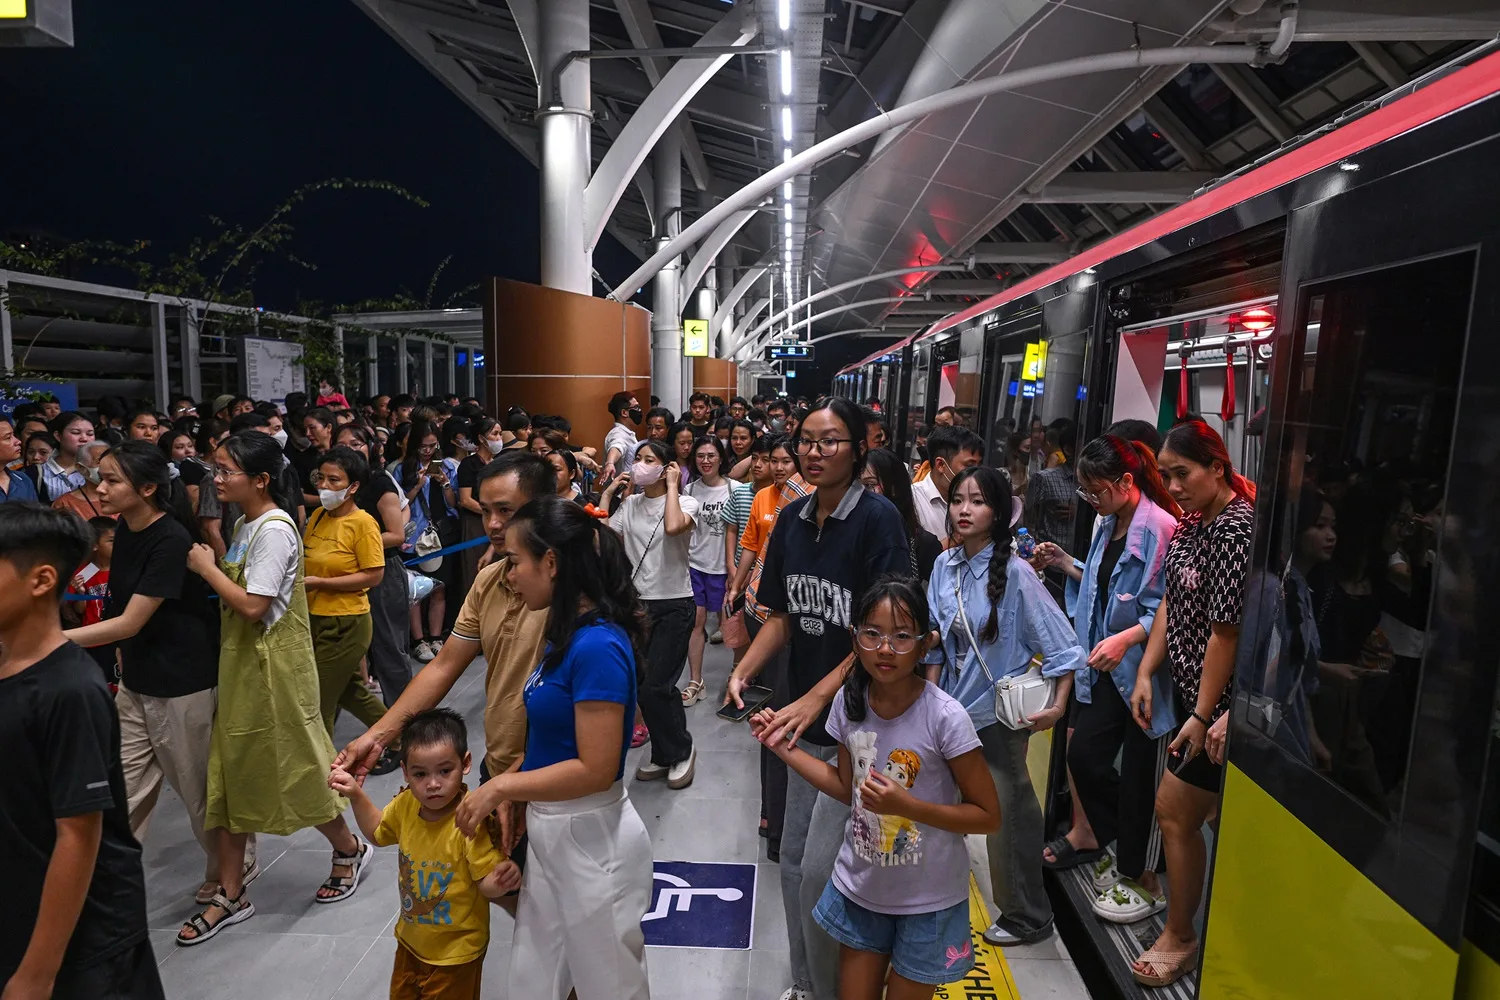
[588, 873]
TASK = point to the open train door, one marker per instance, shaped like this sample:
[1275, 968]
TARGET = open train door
[1358, 853]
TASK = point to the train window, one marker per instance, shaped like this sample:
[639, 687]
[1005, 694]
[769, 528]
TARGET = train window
[1357, 524]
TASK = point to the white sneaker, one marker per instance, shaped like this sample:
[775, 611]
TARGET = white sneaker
[796, 993]
[716, 637]
[436, 645]
[1128, 902]
[1105, 874]
[681, 773]
[648, 771]
[424, 652]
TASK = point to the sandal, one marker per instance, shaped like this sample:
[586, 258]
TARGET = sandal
[1105, 874]
[1128, 901]
[211, 887]
[692, 693]
[344, 885]
[1165, 967]
[235, 911]
[1065, 855]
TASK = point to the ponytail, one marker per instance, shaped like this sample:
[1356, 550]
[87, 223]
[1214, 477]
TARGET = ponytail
[1109, 457]
[258, 454]
[1197, 442]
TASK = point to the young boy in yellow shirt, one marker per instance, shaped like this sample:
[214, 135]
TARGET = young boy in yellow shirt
[446, 880]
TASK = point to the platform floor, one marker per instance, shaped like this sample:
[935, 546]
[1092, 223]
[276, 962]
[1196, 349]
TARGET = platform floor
[294, 949]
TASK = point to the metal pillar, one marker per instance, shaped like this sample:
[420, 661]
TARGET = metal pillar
[564, 120]
[724, 283]
[372, 368]
[7, 339]
[160, 361]
[666, 319]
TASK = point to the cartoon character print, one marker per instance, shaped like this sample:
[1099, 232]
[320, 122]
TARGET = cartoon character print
[883, 840]
[422, 887]
[899, 836]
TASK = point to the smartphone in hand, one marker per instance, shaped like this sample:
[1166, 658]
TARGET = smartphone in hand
[755, 698]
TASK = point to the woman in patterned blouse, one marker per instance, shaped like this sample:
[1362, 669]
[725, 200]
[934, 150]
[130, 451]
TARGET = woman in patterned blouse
[1196, 631]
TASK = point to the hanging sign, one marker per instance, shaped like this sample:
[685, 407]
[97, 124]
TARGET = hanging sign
[695, 338]
[1035, 365]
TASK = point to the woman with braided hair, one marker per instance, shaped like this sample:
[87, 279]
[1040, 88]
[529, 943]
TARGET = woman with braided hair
[996, 616]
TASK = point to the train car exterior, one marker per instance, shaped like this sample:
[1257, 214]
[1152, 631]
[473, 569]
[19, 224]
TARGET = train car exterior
[1331, 313]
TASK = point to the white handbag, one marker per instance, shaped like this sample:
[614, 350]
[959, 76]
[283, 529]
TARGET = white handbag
[1017, 698]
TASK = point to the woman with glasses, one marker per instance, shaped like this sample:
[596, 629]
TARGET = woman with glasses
[707, 564]
[430, 493]
[390, 599]
[825, 551]
[656, 525]
[1113, 597]
[885, 474]
[270, 754]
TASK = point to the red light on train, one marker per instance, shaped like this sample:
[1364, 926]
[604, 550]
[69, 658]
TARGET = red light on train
[1257, 320]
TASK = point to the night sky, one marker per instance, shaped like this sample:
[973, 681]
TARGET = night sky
[163, 114]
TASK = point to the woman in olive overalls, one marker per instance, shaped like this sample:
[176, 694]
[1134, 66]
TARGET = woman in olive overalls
[270, 753]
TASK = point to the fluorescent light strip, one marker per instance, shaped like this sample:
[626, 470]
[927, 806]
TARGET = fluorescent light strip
[786, 71]
[786, 157]
[786, 209]
[784, 14]
[789, 229]
[786, 190]
[786, 123]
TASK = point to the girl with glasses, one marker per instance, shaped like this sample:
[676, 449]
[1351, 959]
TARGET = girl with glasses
[1114, 596]
[909, 764]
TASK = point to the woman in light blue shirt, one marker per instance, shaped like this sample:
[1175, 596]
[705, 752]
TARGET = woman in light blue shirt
[1113, 597]
[1013, 620]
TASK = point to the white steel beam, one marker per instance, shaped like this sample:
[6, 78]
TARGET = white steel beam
[964, 286]
[528, 23]
[1380, 61]
[706, 254]
[640, 25]
[1019, 253]
[760, 306]
[656, 114]
[755, 342]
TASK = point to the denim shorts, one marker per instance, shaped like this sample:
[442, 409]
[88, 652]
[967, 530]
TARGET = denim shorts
[934, 948]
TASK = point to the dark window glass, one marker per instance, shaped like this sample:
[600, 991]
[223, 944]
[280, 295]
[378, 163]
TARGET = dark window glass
[1358, 525]
[356, 371]
[387, 367]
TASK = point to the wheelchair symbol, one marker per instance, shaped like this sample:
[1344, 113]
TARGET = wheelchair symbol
[680, 896]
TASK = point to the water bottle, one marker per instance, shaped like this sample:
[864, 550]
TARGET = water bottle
[1025, 544]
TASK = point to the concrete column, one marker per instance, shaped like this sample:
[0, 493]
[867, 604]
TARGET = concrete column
[564, 120]
[666, 321]
[724, 269]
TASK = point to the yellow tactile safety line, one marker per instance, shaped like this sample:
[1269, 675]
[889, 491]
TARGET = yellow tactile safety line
[990, 978]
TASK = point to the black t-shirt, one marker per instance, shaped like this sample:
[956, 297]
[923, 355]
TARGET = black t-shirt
[304, 464]
[925, 550]
[468, 474]
[1112, 553]
[369, 496]
[192, 471]
[60, 741]
[815, 576]
[177, 651]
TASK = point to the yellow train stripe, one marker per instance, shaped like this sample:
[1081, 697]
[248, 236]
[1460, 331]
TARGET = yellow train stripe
[990, 978]
[1478, 975]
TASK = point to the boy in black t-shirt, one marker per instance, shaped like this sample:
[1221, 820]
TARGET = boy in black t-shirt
[74, 923]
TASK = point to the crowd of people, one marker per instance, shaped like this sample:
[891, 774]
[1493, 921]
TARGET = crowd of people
[237, 573]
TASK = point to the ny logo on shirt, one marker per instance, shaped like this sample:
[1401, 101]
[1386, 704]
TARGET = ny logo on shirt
[813, 595]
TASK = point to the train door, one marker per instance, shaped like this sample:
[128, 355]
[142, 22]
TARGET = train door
[1365, 685]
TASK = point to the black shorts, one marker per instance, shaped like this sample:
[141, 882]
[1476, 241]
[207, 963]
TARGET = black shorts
[1199, 771]
[126, 975]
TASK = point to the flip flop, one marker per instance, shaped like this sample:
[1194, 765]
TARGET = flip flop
[1066, 856]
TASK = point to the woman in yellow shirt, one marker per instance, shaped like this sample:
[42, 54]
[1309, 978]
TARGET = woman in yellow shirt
[344, 560]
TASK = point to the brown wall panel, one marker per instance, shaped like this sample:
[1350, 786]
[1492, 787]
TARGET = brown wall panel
[715, 376]
[551, 351]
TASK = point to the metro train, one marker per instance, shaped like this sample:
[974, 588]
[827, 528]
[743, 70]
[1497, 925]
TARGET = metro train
[1334, 310]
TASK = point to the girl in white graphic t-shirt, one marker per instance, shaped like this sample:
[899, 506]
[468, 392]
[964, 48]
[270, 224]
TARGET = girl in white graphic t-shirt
[910, 767]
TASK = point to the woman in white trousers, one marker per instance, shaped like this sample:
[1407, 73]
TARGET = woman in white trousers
[587, 880]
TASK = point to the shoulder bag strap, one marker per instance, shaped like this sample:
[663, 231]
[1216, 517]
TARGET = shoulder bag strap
[963, 619]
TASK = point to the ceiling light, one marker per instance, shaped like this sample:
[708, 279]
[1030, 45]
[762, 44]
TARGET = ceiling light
[786, 124]
[786, 71]
[789, 229]
[786, 190]
[786, 209]
[784, 14]
[789, 246]
[786, 156]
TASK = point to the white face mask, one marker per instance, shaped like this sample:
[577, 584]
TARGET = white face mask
[280, 437]
[643, 474]
[467, 447]
[333, 499]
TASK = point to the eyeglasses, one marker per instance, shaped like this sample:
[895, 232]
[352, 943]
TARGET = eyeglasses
[825, 446]
[1094, 497]
[222, 473]
[872, 639]
[870, 483]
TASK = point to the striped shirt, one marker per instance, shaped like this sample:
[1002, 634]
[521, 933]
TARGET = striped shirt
[57, 483]
[736, 512]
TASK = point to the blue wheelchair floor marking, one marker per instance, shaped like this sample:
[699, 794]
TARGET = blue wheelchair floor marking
[698, 905]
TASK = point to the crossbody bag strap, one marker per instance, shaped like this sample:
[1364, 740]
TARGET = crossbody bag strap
[963, 619]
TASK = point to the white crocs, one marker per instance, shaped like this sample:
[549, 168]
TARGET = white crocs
[1126, 902]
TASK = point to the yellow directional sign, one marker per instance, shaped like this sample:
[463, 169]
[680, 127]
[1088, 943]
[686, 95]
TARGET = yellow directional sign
[695, 338]
[12, 9]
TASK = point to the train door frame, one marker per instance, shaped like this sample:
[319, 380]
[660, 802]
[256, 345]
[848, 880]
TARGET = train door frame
[1407, 942]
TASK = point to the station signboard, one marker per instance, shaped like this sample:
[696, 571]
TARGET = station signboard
[695, 338]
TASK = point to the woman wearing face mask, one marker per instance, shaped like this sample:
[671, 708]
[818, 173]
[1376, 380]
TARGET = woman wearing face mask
[167, 637]
[390, 599]
[432, 501]
[1195, 634]
[270, 753]
[84, 501]
[482, 445]
[656, 525]
[344, 559]
[62, 474]
[1114, 596]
